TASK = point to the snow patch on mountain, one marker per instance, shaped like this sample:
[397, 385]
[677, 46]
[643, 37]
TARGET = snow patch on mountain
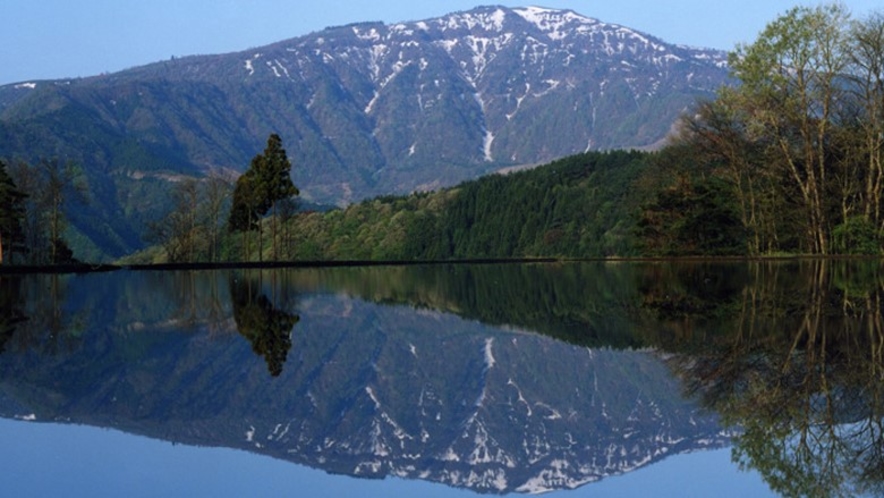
[555, 23]
[489, 21]
[488, 138]
[250, 63]
[487, 142]
[371, 34]
[489, 354]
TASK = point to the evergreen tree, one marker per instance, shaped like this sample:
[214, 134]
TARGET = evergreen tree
[276, 171]
[11, 213]
[267, 181]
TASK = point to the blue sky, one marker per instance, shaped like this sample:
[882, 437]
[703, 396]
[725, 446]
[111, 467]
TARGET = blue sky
[41, 39]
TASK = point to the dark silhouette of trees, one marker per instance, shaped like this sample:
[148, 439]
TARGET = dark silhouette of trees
[11, 308]
[695, 215]
[12, 214]
[286, 210]
[266, 182]
[51, 187]
[267, 328]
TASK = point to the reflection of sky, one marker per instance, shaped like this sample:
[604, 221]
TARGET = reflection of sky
[61, 460]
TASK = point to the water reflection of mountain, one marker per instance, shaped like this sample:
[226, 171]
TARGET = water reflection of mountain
[364, 389]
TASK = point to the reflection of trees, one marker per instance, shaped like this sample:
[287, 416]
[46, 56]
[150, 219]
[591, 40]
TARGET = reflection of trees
[11, 308]
[796, 359]
[37, 316]
[196, 299]
[583, 304]
[267, 328]
[185, 300]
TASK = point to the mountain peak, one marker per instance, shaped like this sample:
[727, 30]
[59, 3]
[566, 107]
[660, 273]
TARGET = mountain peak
[373, 109]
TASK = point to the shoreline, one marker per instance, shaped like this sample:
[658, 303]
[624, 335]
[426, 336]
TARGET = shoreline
[270, 265]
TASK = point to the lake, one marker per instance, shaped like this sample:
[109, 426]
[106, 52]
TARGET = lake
[574, 379]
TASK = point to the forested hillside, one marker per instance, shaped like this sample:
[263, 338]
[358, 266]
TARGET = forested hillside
[581, 206]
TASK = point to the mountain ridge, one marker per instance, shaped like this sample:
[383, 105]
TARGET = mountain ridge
[371, 109]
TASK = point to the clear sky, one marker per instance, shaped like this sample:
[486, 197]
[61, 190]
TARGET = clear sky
[41, 39]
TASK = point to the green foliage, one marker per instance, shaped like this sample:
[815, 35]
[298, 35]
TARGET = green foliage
[581, 206]
[273, 171]
[267, 181]
[570, 208]
[857, 235]
[798, 140]
[789, 353]
[190, 230]
[246, 203]
[692, 217]
[49, 191]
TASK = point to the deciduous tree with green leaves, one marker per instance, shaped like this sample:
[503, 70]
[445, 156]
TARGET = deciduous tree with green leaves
[60, 186]
[792, 86]
[801, 138]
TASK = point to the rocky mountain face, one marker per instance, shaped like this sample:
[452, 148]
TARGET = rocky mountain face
[366, 390]
[365, 109]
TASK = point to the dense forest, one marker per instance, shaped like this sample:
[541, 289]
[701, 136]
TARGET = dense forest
[575, 207]
[580, 206]
[790, 160]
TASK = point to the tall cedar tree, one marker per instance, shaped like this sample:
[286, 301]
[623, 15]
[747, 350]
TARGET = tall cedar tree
[12, 212]
[267, 181]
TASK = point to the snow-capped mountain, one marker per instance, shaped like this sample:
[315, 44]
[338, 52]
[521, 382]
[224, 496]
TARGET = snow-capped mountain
[371, 109]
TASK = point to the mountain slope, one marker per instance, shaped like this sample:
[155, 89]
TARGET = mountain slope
[371, 109]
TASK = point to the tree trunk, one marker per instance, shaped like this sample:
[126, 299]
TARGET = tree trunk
[260, 242]
[273, 228]
[245, 245]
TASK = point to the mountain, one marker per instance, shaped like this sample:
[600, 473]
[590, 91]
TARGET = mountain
[364, 109]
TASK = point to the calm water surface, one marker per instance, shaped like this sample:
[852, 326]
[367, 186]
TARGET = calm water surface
[574, 379]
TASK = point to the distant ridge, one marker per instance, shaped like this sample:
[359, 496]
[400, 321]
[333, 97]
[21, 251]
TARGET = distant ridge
[363, 110]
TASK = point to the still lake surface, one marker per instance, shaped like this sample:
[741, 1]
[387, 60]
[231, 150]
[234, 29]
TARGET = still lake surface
[576, 379]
